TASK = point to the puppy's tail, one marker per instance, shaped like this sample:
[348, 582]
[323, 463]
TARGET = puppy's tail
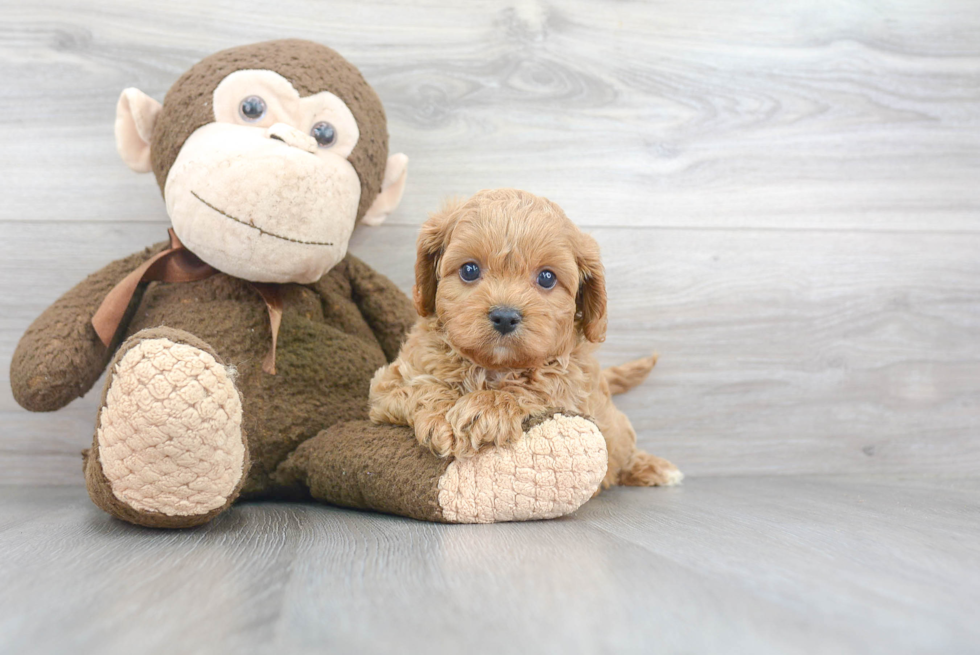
[624, 377]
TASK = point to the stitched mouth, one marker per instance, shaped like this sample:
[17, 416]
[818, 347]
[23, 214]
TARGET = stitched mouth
[259, 229]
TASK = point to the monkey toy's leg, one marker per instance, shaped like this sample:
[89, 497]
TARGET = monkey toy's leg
[168, 449]
[552, 471]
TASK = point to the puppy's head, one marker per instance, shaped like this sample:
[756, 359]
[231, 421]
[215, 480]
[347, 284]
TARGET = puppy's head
[511, 279]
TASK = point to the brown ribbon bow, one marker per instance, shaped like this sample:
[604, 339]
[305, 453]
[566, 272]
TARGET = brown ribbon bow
[177, 264]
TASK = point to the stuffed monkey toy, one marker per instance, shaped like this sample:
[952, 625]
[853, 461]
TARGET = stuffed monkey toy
[240, 351]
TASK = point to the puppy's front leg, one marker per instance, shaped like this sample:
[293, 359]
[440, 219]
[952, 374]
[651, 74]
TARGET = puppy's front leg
[485, 417]
[433, 430]
[400, 399]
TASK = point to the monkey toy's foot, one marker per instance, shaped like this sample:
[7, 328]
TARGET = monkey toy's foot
[168, 449]
[551, 471]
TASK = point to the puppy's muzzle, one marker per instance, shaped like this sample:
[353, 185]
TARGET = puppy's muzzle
[505, 319]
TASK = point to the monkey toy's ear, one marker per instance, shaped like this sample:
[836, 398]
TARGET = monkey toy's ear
[392, 188]
[136, 113]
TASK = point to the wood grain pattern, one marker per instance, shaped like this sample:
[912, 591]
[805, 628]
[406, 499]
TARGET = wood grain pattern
[781, 352]
[785, 195]
[762, 565]
[806, 114]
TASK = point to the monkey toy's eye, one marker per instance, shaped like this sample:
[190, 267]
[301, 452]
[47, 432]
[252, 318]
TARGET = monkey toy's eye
[547, 279]
[252, 109]
[469, 271]
[324, 133]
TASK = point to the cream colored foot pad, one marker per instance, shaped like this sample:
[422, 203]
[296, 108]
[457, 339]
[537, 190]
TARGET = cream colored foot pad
[551, 472]
[170, 434]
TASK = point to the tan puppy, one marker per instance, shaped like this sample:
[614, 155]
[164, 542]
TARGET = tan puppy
[513, 302]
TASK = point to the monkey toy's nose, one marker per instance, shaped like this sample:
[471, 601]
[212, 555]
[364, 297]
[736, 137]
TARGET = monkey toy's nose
[291, 137]
[505, 319]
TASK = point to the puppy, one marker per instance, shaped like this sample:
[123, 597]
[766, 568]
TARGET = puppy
[512, 301]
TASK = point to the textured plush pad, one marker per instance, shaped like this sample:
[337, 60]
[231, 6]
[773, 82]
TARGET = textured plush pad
[551, 472]
[169, 435]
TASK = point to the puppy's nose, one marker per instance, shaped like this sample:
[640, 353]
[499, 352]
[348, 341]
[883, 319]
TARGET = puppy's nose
[505, 319]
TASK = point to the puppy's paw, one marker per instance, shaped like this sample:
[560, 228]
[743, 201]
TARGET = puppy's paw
[484, 417]
[435, 433]
[646, 470]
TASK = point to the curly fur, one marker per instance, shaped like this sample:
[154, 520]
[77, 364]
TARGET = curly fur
[461, 384]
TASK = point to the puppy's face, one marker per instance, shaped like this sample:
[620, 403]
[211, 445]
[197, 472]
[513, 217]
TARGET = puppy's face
[512, 280]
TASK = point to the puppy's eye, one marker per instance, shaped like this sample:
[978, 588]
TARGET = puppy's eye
[547, 279]
[469, 271]
[252, 108]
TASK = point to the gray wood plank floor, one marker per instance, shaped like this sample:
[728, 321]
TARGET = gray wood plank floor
[786, 196]
[722, 565]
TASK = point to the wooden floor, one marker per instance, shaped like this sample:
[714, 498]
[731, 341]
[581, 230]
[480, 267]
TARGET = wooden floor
[776, 565]
[787, 196]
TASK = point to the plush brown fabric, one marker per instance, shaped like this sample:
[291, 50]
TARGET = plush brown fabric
[334, 335]
[327, 351]
[60, 356]
[311, 68]
[366, 466]
[371, 292]
[99, 488]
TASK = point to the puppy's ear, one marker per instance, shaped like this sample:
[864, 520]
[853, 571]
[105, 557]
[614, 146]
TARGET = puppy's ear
[591, 301]
[433, 240]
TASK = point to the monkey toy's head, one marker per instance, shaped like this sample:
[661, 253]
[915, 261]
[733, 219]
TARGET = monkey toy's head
[267, 155]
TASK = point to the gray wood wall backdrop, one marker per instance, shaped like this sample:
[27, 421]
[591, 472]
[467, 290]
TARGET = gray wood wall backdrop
[786, 194]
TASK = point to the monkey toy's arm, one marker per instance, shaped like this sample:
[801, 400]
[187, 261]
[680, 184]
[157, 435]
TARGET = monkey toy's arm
[387, 310]
[60, 356]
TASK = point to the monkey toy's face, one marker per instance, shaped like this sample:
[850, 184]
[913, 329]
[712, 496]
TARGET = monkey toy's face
[267, 188]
